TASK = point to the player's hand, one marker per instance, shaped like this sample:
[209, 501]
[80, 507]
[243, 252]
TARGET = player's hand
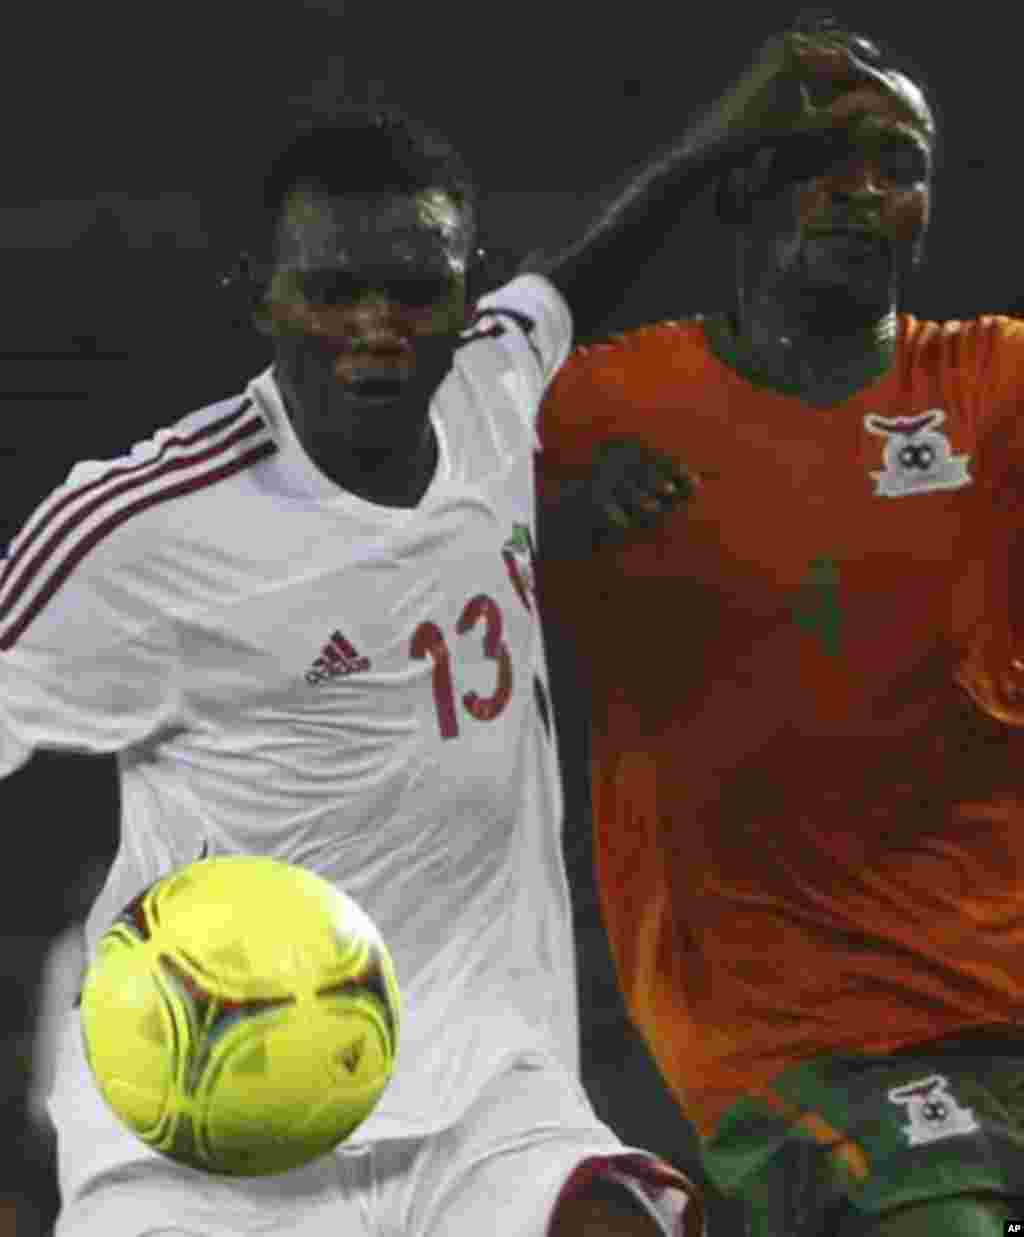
[629, 487]
[632, 487]
[797, 84]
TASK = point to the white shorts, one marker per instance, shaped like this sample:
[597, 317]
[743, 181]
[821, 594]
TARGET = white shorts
[530, 1138]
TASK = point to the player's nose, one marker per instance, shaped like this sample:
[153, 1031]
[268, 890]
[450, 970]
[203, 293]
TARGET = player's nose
[373, 320]
[861, 181]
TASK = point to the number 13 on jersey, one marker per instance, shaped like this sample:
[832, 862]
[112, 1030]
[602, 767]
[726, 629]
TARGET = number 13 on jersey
[429, 641]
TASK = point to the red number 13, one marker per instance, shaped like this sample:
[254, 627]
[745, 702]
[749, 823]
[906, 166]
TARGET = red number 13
[428, 641]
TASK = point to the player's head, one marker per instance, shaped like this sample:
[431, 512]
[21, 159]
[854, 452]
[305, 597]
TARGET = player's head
[369, 226]
[835, 220]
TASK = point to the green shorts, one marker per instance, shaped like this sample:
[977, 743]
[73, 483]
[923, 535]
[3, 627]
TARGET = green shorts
[867, 1134]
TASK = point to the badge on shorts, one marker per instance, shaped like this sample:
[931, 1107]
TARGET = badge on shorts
[932, 1110]
[918, 456]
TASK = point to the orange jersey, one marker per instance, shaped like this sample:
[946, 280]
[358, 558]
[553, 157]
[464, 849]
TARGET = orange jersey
[808, 760]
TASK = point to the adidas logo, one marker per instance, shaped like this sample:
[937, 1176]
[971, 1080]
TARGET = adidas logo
[338, 657]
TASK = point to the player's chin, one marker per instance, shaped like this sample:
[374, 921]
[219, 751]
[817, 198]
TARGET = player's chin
[862, 293]
[858, 276]
[373, 385]
[373, 392]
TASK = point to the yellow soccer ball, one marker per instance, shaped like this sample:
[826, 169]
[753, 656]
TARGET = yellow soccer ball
[241, 1016]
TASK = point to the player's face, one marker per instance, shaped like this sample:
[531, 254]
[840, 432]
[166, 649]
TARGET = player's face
[850, 232]
[365, 304]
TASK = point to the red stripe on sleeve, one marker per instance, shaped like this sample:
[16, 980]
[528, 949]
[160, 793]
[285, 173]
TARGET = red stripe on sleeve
[122, 470]
[188, 485]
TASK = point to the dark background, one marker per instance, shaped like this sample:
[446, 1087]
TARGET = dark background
[133, 136]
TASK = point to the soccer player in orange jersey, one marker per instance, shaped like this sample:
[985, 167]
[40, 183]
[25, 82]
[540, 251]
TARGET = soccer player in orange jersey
[808, 755]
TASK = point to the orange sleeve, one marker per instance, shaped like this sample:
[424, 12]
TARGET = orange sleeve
[1001, 421]
[993, 669]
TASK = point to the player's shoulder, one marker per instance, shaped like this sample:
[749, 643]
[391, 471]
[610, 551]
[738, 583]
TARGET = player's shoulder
[111, 513]
[526, 314]
[650, 343]
[215, 430]
[596, 393]
[528, 290]
[966, 343]
[643, 353]
[196, 453]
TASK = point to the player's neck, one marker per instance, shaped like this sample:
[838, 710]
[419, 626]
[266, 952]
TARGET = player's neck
[821, 367]
[397, 474]
[389, 477]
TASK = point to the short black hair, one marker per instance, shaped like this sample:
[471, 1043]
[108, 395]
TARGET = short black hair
[367, 150]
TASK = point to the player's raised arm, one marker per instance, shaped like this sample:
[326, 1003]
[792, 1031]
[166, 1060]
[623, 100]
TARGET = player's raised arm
[786, 118]
[782, 101]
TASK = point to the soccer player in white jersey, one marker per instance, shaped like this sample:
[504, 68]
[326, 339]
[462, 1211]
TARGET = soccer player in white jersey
[304, 620]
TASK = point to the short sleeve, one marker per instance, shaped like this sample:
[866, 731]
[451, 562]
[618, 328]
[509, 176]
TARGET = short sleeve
[530, 319]
[1007, 336]
[1001, 412]
[83, 667]
[97, 702]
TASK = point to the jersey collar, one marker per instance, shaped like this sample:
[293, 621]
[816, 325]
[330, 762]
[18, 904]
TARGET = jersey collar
[845, 381]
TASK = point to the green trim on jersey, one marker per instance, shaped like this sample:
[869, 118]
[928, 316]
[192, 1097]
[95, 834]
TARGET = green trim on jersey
[791, 375]
[817, 609]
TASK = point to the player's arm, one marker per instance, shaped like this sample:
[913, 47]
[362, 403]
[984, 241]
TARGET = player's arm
[75, 676]
[78, 674]
[55, 699]
[595, 269]
[57, 706]
[780, 101]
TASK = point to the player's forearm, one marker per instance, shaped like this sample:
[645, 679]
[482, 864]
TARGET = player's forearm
[595, 269]
[771, 102]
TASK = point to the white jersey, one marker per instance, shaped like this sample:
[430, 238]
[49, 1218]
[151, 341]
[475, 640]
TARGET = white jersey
[286, 669]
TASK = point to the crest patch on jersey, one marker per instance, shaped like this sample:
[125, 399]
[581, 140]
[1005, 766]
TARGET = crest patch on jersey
[933, 1111]
[918, 457]
[518, 555]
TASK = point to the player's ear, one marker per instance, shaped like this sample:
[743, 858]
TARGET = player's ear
[732, 198]
[244, 294]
